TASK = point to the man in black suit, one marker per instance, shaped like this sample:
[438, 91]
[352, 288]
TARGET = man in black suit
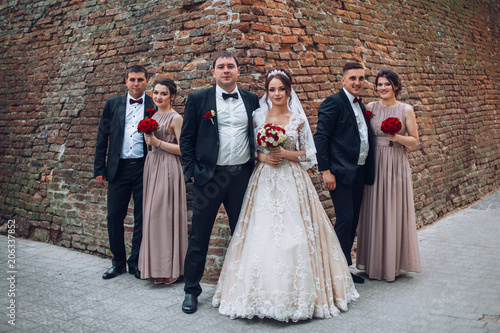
[218, 153]
[345, 156]
[125, 150]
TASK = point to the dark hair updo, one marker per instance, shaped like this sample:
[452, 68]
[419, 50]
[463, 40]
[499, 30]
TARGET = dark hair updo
[170, 84]
[392, 77]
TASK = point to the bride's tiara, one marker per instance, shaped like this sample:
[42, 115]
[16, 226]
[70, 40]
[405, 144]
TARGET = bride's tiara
[277, 71]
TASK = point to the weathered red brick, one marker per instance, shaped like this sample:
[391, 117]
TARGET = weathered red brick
[58, 74]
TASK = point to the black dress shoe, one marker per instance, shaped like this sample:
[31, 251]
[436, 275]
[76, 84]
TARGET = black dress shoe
[137, 274]
[189, 304]
[114, 271]
[357, 279]
[132, 269]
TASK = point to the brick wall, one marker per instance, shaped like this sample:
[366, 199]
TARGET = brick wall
[61, 60]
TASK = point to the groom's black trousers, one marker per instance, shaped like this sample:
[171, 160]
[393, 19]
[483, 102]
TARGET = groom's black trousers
[347, 203]
[227, 186]
[127, 182]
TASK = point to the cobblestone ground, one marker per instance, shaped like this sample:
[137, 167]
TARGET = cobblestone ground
[61, 290]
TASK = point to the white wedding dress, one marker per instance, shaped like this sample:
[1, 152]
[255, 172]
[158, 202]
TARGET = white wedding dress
[284, 260]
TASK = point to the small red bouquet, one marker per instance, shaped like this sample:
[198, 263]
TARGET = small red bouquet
[147, 126]
[270, 136]
[391, 126]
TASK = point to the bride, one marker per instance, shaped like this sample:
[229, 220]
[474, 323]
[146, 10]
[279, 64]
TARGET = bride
[284, 260]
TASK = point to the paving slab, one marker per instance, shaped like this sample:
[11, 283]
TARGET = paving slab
[61, 290]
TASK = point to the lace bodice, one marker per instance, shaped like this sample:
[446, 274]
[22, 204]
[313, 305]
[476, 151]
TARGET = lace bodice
[295, 137]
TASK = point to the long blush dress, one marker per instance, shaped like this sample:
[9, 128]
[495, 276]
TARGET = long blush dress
[387, 243]
[284, 260]
[164, 235]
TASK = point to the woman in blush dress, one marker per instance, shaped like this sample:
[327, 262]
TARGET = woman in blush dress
[387, 243]
[164, 236]
[284, 260]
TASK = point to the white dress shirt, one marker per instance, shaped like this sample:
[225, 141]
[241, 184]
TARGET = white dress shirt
[132, 146]
[362, 128]
[232, 120]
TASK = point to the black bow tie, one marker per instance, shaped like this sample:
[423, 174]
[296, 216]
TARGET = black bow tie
[357, 100]
[233, 95]
[132, 101]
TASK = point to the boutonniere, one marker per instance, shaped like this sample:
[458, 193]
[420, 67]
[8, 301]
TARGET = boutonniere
[369, 114]
[210, 115]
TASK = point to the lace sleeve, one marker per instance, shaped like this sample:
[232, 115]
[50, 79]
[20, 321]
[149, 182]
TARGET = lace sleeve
[259, 119]
[305, 142]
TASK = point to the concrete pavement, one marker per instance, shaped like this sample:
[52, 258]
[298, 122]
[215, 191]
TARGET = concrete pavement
[61, 290]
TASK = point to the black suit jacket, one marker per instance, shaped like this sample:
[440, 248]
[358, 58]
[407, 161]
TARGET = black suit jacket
[337, 140]
[199, 140]
[110, 136]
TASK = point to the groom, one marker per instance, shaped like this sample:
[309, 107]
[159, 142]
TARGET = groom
[119, 160]
[345, 155]
[218, 153]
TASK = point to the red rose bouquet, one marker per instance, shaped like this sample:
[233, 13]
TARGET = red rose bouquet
[147, 126]
[270, 136]
[391, 126]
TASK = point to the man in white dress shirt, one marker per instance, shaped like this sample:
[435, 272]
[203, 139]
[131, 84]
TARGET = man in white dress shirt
[345, 156]
[119, 159]
[218, 155]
